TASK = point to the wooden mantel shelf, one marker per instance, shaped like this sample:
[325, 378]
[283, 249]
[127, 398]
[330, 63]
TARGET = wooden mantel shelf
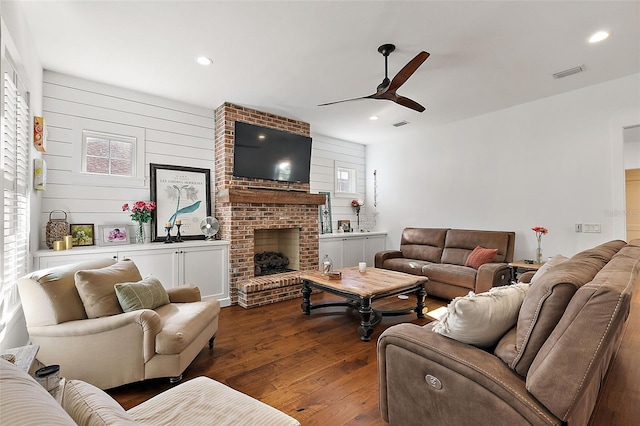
[267, 196]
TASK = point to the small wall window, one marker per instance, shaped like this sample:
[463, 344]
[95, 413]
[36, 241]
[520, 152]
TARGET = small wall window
[345, 180]
[107, 154]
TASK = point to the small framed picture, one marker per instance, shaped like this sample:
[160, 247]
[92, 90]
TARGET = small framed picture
[82, 234]
[345, 225]
[112, 235]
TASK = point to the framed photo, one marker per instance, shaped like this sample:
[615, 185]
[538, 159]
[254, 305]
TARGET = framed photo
[325, 215]
[82, 234]
[345, 225]
[113, 235]
[182, 196]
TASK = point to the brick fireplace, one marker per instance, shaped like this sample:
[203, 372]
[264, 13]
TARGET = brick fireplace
[244, 206]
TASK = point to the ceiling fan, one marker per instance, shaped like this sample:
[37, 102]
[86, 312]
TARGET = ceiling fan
[387, 89]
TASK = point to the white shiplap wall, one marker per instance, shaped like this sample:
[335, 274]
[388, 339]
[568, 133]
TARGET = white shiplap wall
[324, 154]
[173, 133]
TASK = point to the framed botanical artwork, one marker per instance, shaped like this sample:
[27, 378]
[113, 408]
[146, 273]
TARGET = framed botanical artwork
[113, 235]
[182, 196]
[324, 211]
[82, 234]
[345, 225]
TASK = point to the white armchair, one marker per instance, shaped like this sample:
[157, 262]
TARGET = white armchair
[119, 348]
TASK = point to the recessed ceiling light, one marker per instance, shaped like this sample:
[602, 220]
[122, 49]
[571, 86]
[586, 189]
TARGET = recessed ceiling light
[373, 117]
[203, 60]
[599, 36]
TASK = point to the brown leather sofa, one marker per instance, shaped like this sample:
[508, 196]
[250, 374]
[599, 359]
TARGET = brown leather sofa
[547, 370]
[441, 253]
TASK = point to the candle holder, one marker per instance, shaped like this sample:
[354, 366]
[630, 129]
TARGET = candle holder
[178, 236]
[167, 240]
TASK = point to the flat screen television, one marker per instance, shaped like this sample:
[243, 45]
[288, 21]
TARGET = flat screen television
[264, 153]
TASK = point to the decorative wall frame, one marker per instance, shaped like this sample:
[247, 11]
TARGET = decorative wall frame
[324, 211]
[113, 235]
[182, 193]
[83, 234]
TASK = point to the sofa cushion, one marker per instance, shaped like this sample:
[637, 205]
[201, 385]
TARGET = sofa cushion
[408, 266]
[481, 319]
[203, 401]
[26, 402]
[545, 304]
[146, 294]
[90, 406]
[479, 256]
[423, 243]
[182, 323]
[461, 276]
[459, 243]
[96, 287]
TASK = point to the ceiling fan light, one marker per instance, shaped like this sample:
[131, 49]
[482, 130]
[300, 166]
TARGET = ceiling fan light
[599, 36]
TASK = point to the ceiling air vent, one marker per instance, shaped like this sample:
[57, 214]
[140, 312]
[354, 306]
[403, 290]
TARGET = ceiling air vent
[568, 72]
[400, 123]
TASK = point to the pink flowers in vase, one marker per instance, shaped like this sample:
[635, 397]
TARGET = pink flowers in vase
[140, 210]
[540, 231]
[357, 204]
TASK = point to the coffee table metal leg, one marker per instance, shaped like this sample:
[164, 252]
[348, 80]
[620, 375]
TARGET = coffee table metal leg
[306, 298]
[421, 293]
[366, 313]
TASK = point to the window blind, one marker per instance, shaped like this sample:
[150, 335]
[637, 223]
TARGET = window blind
[15, 168]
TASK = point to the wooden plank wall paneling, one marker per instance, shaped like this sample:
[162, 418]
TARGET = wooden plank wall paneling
[175, 133]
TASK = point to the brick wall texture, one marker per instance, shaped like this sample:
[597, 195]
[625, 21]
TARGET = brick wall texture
[239, 220]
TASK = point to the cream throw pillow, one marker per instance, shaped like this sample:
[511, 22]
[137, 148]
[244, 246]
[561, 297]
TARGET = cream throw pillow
[95, 287]
[146, 294]
[555, 260]
[482, 319]
[90, 406]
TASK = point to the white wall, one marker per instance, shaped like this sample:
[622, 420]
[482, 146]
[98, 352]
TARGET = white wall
[324, 154]
[545, 163]
[631, 138]
[173, 133]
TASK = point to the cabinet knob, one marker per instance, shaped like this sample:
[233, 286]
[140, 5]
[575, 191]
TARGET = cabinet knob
[114, 257]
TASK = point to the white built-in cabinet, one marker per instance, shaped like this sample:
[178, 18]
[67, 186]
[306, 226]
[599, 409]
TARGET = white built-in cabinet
[204, 264]
[349, 249]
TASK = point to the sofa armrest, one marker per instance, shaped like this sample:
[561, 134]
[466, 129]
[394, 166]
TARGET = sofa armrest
[184, 294]
[103, 332]
[427, 378]
[525, 277]
[492, 275]
[381, 256]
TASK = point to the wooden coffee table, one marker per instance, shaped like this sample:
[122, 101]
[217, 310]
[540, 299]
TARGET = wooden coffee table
[360, 289]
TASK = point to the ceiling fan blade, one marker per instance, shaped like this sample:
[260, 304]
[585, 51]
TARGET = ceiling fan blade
[406, 72]
[406, 102]
[345, 100]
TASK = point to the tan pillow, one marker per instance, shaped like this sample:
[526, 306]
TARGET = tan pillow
[90, 406]
[146, 294]
[95, 287]
[482, 319]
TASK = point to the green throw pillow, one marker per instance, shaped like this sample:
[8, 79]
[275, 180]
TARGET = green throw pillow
[146, 294]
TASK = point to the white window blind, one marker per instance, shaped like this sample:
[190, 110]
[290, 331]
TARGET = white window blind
[15, 169]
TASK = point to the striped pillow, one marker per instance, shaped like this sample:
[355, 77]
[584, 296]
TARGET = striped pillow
[145, 294]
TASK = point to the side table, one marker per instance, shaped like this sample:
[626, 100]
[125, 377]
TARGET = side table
[25, 357]
[521, 265]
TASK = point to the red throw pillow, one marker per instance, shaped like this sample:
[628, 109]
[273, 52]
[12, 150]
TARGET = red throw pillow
[479, 256]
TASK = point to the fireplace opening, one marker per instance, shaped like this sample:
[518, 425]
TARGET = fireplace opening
[276, 251]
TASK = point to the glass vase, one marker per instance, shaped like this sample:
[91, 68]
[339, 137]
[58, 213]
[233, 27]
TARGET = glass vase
[539, 255]
[140, 233]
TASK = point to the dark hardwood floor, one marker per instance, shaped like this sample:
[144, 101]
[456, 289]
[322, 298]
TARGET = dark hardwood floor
[316, 369]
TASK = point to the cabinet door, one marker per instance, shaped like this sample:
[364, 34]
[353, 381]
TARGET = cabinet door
[333, 248]
[352, 251]
[162, 264]
[206, 268]
[372, 245]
